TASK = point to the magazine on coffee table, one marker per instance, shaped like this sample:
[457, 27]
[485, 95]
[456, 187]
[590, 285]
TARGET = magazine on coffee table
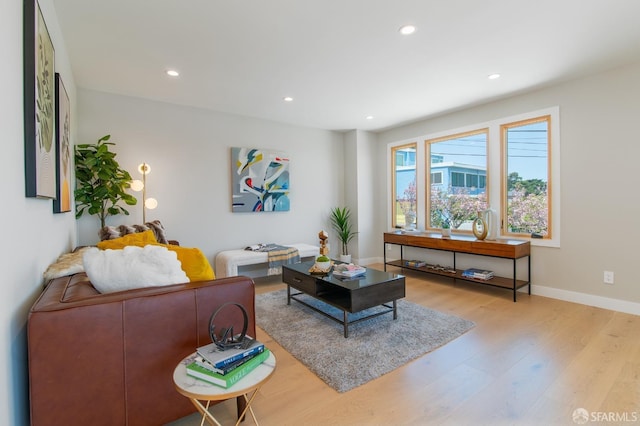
[348, 270]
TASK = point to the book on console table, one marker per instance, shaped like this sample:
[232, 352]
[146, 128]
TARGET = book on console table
[220, 358]
[227, 380]
[479, 274]
[415, 263]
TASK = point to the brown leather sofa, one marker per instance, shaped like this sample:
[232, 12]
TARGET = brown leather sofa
[108, 359]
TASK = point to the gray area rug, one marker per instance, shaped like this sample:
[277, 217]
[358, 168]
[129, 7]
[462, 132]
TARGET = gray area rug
[374, 347]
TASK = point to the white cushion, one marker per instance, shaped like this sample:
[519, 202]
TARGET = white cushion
[132, 267]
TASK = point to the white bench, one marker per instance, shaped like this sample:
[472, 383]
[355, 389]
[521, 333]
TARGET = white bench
[227, 262]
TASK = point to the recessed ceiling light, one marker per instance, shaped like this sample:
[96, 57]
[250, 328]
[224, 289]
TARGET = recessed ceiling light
[493, 76]
[287, 99]
[407, 29]
[173, 73]
[369, 117]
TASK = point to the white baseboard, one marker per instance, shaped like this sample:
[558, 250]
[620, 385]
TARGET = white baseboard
[587, 299]
[566, 295]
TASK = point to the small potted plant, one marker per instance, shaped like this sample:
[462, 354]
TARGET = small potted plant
[341, 222]
[446, 229]
[323, 263]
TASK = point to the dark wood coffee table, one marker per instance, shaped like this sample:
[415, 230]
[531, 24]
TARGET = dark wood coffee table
[375, 288]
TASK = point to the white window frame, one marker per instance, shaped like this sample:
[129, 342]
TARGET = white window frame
[494, 175]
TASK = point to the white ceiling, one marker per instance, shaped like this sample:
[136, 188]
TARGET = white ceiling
[342, 60]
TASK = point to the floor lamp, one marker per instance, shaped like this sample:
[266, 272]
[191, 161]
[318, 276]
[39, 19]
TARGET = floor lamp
[137, 185]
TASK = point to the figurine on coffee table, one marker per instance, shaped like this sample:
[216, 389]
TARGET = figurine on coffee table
[323, 263]
[324, 244]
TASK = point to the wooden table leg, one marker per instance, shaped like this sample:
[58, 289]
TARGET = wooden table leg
[241, 406]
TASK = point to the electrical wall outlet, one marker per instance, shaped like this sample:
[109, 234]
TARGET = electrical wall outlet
[608, 277]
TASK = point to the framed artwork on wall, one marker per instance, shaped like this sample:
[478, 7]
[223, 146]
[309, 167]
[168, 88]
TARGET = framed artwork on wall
[260, 180]
[39, 104]
[62, 202]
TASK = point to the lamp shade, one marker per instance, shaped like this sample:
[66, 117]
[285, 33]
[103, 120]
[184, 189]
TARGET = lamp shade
[144, 168]
[136, 185]
[151, 203]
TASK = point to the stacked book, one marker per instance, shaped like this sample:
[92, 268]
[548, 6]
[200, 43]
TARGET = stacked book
[348, 270]
[415, 263]
[226, 367]
[478, 274]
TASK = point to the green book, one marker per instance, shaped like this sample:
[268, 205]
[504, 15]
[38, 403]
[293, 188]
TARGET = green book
[231, 378]
[227, 368]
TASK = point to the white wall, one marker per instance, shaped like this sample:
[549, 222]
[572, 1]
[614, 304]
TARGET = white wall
[189, 153]
[33, 236]
[599, 168]
[368, 194]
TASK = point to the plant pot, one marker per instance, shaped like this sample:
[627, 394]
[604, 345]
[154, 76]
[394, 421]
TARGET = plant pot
[346, 258]
[323, 266]
[446, 232]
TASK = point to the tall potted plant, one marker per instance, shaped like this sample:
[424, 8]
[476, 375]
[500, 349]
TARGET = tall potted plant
[100, 182]
[341, 222]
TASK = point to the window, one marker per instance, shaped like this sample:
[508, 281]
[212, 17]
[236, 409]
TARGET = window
[461, 161]
[471, 181]
[436, 178]
[404, 195]
[457, 179]
[525, 176]
[406, 157]
[509, 165]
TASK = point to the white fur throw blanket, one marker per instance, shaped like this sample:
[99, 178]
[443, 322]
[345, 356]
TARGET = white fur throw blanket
[67, 264]
[132, 267]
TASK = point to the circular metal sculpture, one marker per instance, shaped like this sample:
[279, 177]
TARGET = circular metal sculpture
[226, 339]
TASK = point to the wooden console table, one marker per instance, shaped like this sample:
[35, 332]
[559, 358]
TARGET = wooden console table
[502, 248]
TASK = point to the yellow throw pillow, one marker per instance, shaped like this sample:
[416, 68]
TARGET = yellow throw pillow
[194, 262]
[139, 239]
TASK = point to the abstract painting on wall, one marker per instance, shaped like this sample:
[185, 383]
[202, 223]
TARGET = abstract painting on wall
[260, 180]
[39, 110]
[62, 202]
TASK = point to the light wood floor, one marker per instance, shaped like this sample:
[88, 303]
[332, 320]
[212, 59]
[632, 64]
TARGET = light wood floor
[527, 363]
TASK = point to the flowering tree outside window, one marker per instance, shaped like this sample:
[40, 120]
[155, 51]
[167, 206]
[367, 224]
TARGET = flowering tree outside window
[409, 198]
[455, 207]
[527, 213]
[408, 203]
